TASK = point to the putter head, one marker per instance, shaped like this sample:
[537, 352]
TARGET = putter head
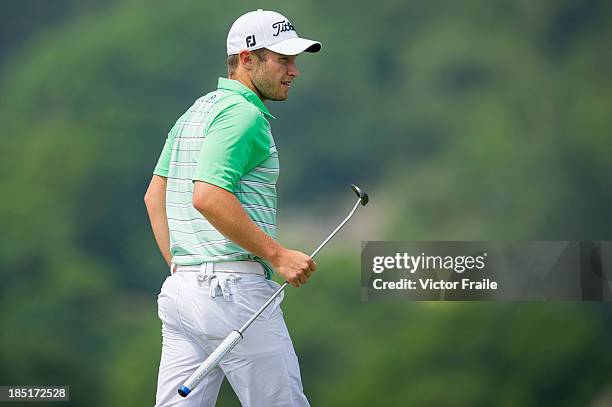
[363, 197]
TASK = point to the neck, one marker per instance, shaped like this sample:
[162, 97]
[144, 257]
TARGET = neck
[246, 80]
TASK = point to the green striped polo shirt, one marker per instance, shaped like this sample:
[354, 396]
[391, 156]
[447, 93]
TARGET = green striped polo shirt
[224, 139]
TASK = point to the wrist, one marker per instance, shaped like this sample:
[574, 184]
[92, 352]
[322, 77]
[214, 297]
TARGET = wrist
[275, 253]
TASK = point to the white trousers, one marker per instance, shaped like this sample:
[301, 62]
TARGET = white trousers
[198, 310]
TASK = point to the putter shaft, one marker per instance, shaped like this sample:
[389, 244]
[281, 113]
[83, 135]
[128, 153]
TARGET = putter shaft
[286, 283]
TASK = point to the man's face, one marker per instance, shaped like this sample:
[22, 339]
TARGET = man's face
[273, 76]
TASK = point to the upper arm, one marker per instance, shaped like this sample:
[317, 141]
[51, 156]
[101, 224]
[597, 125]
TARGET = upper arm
[237, 140]
[207, 195]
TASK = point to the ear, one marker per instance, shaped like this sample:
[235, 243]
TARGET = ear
[247, 59]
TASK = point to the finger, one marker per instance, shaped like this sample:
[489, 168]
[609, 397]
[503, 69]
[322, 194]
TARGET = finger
[303, 278]
[313, 266]
[298, 277]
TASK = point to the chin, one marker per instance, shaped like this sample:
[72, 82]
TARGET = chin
[278, 98]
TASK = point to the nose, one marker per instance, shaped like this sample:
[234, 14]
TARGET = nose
[293, 70]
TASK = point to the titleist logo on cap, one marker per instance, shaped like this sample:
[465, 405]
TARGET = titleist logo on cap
[270, 30]
[282, 26]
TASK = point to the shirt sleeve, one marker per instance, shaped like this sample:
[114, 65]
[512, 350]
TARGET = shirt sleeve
[163, 164]
[236, 141]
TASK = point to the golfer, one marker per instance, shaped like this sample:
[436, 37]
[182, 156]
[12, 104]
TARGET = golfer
[212, 207]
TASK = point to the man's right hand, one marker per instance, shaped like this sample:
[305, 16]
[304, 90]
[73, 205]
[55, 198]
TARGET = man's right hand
[294, 266]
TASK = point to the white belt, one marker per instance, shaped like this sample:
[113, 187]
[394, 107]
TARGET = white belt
[218, 275]
[245, 267]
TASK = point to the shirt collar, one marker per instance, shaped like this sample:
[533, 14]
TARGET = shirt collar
[248, 94]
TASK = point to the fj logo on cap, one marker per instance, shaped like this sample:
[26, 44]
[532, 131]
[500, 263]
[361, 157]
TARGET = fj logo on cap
[282, 26]
[250, 41]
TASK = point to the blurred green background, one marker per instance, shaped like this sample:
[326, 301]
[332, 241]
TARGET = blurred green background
[466, 120]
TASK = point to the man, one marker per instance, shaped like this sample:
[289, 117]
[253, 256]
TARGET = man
[212, 206]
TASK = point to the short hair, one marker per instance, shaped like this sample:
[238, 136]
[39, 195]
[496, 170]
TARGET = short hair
[232, 60]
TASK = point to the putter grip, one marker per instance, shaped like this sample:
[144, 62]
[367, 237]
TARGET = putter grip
[213, 360]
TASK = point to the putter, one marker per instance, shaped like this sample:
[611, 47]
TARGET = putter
[235, 336]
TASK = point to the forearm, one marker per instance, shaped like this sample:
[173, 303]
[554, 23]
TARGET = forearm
[159, 224]
[155, 200]
[223, 210]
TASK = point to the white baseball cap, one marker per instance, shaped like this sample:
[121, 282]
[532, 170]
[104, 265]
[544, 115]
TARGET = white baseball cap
[267, 29]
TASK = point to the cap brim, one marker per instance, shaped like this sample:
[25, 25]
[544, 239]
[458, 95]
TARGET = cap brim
[294, 46]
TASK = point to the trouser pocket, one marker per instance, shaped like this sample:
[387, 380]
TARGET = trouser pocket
[251, 292]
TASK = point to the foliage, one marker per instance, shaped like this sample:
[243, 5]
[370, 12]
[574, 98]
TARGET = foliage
[466, 120]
